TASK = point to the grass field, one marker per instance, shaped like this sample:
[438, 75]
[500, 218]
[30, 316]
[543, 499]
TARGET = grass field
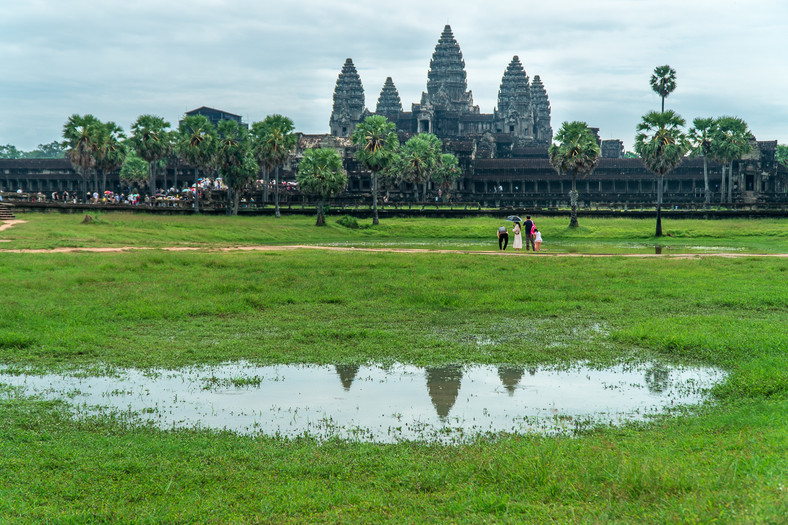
[726, 461]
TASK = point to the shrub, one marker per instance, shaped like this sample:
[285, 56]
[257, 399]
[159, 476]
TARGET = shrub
[348, 222]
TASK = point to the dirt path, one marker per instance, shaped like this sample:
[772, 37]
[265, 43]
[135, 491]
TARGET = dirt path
[4, 225]
[115, 249]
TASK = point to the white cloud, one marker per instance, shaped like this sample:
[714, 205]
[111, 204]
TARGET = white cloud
[118, 60]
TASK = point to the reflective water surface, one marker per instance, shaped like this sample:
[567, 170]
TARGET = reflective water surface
[381, 404]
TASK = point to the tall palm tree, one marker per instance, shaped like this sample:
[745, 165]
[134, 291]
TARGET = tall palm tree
[730, 141]
[274, 140]
[81, 136]
[575, 152]
[661, 145]
[257, 134]
[419, 159]
[151, 140]
[196, 145]
[235, 160]
[110, 152]
[663, 82]
[377, 140]
[321, 172]
[700, 137]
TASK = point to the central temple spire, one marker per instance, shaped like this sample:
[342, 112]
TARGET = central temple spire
[446, 80]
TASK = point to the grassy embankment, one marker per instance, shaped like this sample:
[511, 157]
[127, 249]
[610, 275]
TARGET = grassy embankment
[726, 461]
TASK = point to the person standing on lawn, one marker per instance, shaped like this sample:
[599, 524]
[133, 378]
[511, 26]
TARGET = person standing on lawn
[528, 232]
[518, 238]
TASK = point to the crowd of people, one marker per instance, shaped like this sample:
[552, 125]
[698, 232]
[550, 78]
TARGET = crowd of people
[528, 231]
[161, 197]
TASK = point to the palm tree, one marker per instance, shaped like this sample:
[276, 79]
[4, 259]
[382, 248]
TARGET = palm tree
[447, 172]
[151, 140]
[575, 152]
[257, 134]
[274, 140]
[235, 160]
[81, 136]
[418, 160]
[663, 82]
[700, 136]
[196, 145]
[730, 141]
[377, 140]
[321, 172]
[110, 152]
[661, 145]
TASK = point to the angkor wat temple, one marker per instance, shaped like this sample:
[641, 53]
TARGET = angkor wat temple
[446, 108]
[503, 154]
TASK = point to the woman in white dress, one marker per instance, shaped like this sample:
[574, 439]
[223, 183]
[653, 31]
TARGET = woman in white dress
[518, 238]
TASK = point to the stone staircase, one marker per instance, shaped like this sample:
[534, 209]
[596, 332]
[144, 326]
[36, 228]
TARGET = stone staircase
[5, 213]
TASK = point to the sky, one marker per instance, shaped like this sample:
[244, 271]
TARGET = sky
[121, 59]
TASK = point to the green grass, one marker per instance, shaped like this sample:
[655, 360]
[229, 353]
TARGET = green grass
[726, 462]
[472, 233]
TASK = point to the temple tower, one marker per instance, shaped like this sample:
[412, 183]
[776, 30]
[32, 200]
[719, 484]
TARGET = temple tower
[514, 113]
[389, 103]
[543, 131]
[348, 101]
[447, 88]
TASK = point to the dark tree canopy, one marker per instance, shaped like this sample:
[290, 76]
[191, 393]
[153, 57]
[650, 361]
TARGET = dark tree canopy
[575, 152]
[663, 82]
[320, 173]
[376, 140]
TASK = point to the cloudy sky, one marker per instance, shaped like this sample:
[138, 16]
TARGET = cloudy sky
[120, 59]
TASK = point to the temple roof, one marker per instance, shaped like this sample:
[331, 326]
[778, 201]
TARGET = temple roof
[349, 92]
[389, 102]
[205, 109]
[446, 79]
[514, 90]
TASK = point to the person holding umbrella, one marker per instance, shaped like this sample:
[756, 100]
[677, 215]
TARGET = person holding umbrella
[518, 238]
[503, 233]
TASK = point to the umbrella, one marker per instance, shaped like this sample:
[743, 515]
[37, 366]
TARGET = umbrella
[514, 218]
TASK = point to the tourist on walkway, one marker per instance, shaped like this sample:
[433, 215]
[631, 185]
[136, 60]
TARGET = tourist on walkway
[537, 240]
[518, 238]
[503, 238]
[528, 227]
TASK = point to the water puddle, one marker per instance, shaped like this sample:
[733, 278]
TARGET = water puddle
[447, 404]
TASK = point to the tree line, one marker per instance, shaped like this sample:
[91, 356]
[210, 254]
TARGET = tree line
[662, 144]
[53, 150]
[240, 157]
[230, 151]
